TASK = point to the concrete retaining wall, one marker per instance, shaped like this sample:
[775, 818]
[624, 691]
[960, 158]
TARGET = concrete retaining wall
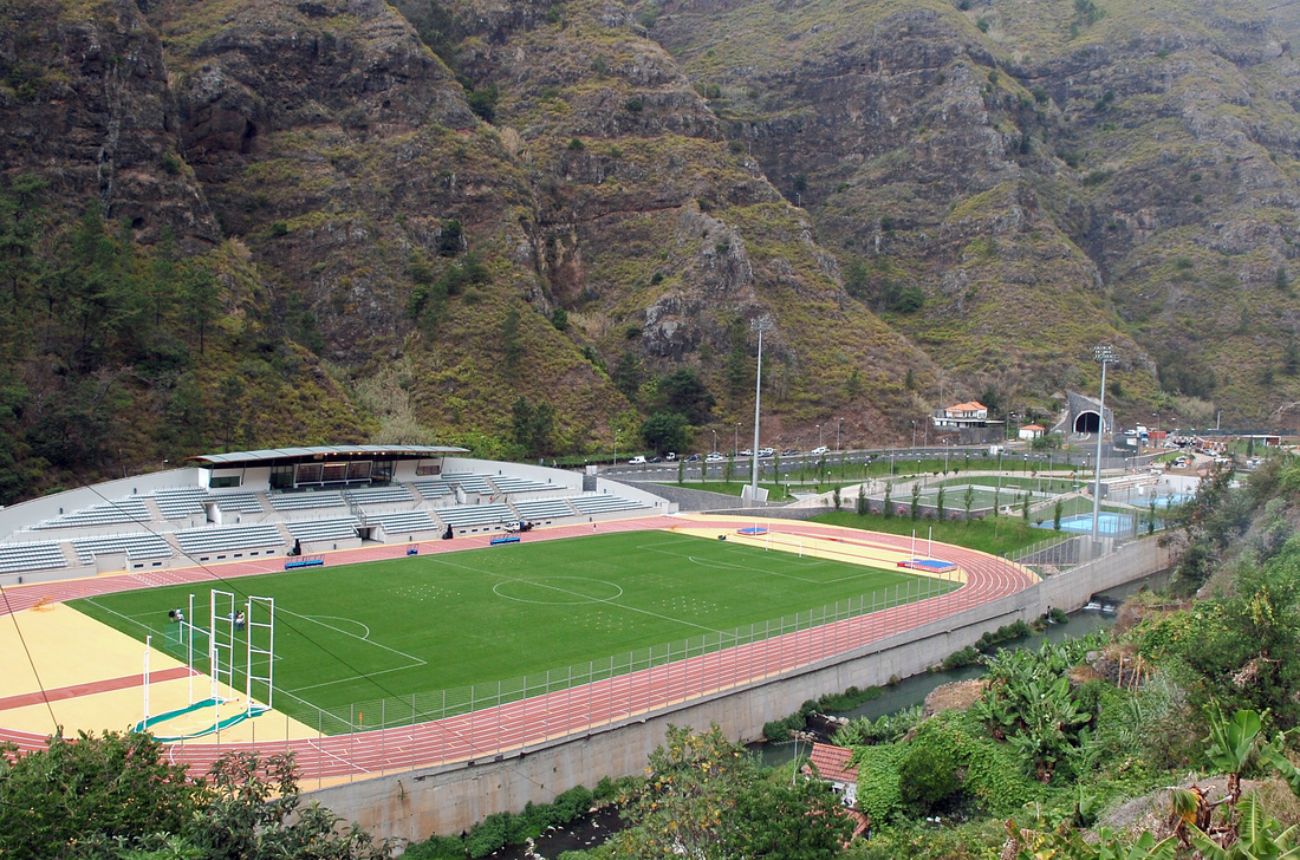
[447, 800]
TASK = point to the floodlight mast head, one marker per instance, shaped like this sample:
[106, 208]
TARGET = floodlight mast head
[1104, 353]
[760, 325]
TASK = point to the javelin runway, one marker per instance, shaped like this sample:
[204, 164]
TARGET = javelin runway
[575, 710]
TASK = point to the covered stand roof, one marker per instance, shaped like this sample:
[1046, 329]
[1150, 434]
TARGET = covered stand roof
[274, 456]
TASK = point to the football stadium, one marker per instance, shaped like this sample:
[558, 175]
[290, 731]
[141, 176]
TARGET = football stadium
[382, 608]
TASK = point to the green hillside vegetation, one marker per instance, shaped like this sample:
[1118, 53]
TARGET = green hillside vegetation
[419, 214]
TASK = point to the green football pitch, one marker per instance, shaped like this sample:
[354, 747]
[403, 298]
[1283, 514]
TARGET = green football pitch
[398, 629]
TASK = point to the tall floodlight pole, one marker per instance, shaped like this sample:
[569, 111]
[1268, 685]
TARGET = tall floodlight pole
[1104, 354]
[760, 325]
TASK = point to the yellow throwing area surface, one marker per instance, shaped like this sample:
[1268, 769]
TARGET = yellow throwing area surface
[92, 676]
[834, 543]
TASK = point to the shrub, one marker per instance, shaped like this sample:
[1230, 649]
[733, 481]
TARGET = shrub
[878, 789]
[928, 775]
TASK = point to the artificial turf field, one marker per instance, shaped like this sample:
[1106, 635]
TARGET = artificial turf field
[446, 621]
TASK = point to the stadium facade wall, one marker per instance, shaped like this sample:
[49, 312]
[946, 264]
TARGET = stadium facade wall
[447, 800]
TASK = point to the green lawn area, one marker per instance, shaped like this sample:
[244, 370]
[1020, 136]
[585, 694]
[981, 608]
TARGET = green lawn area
[390, 629]
[997, 535]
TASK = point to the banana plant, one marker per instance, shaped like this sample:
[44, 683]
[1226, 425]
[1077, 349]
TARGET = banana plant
[1258, 837]
[1233, 744]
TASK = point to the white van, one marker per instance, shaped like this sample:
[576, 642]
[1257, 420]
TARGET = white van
[636, 461]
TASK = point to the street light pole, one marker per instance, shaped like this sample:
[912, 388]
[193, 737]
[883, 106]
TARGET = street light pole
[819, 435]
[839, 425]
[760, 325]
[715, 441]
[1104, 354]
[913, 433]
[735, 440]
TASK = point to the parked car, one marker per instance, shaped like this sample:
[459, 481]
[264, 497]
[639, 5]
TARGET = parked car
[655, 459]
[671, 456]
[746, 453]
[765, 452]
[790, 452]
[694, 458]
[819, 450]
[636, 461]
[714, 457]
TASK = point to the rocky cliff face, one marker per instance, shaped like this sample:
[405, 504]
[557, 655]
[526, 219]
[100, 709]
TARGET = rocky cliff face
[1049, 177]
[436, 215]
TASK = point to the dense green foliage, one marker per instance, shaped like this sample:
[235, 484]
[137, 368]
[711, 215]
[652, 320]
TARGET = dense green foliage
[706, 797]
[115, 796]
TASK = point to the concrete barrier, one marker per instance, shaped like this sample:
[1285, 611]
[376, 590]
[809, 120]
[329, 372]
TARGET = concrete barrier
[449, 799]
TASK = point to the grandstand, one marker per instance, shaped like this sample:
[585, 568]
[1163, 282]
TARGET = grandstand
[535, 510]
[603, 504]
[129, 510]
[201, 544]
[19, 557]
[476, 517]
[344, 528]
[432, 489]
[306, 501]
[471, 483]
[222, 507]
[178, 504]
[380, 495]
[511, 484]
[404, 522]
[135, 546]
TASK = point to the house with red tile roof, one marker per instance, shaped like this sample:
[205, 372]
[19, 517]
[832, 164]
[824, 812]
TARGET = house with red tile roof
[833, 764]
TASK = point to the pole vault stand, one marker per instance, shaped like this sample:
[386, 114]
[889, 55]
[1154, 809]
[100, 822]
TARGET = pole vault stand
[227, 620]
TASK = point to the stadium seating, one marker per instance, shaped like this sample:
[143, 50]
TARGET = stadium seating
[131, 509]
[471, 483]
[19, 557]
[240, 503]
[463, 516]
[432, 489]
[332, 529]
[512, 484]
[306, 501]
[543, 509]
[181, 503]
[136, 546]
[405, 521]
[201, 542]
[604, 504]
[380, 495]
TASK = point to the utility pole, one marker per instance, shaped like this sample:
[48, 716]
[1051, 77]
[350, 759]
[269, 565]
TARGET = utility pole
[1104, 354]
[760, 325]
[839, 425]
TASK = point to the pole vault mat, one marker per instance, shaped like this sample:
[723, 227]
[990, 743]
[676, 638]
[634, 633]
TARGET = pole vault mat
[929, 565]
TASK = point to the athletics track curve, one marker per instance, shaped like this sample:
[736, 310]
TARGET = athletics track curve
[575, 710]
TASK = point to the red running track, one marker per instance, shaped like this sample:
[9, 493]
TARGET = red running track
[575, 710]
